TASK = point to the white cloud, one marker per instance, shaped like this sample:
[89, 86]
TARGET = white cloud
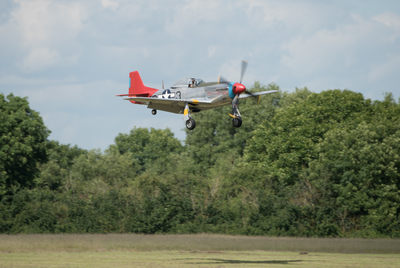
[389, 19]
[392, 22]
[211, 51]
[113, 5]
[46, 29]
[389, 67]
[45, 22]
[186, 19]
[325, 50]
[39, 58]
[64, 54]
[288, 15]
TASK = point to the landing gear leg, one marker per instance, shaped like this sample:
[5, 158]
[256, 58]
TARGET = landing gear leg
[190, 123]
[154, 112]
[236, 117]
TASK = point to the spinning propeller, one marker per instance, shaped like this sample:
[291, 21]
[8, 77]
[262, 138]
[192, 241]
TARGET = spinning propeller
[243, 70]
[235, 89]
[238, 88]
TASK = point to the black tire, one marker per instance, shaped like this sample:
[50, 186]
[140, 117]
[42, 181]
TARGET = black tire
[237, 122]
[154, 112]
[190, 124]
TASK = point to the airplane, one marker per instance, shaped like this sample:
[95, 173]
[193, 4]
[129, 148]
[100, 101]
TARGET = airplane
[192, 95]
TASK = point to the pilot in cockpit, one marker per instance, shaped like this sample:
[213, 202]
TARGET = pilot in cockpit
[192, 82]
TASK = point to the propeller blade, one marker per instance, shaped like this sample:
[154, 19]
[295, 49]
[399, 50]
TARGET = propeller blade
[254, 96]
[251, 94]
[162, 84]
[221, 79]
[243, 70]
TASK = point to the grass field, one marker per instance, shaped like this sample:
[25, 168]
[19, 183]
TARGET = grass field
[203, 250]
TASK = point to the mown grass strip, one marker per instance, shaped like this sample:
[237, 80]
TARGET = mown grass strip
[192, 242]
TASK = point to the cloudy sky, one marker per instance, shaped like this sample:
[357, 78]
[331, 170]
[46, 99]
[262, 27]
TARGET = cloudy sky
[70, 58]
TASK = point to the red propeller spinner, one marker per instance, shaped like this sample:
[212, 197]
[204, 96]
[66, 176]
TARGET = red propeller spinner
[238, 88]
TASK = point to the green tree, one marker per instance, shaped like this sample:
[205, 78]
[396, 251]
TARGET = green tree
[22, 143]
[282, 149]
[284, 146]
[56, 170]
[357, 174]
[302, 164]
[148, 148]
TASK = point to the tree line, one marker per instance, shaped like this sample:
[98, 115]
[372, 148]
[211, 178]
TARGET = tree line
[302, 164]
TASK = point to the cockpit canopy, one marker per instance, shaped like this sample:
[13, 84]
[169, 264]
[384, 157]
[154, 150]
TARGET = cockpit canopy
[187, 82]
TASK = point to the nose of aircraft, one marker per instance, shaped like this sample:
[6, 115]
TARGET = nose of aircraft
[238, 88]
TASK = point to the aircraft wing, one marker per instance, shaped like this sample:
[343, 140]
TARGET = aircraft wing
[172, 105]
[182, 102]
[196, 105]
[256, 94]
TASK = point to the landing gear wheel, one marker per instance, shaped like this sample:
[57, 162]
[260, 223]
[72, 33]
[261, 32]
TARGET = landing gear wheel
[154, 112]
[237, 122]
[190, 124]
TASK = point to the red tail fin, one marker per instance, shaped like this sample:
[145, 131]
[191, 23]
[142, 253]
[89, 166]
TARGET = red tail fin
[137, 88]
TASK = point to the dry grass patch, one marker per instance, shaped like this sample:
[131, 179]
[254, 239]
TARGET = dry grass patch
[200, 242]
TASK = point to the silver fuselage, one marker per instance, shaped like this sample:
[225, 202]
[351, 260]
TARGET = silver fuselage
[215, 94]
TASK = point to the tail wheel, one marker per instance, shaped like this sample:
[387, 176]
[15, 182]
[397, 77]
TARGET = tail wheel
[237, 122]
[190, 124]
[154, 112]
